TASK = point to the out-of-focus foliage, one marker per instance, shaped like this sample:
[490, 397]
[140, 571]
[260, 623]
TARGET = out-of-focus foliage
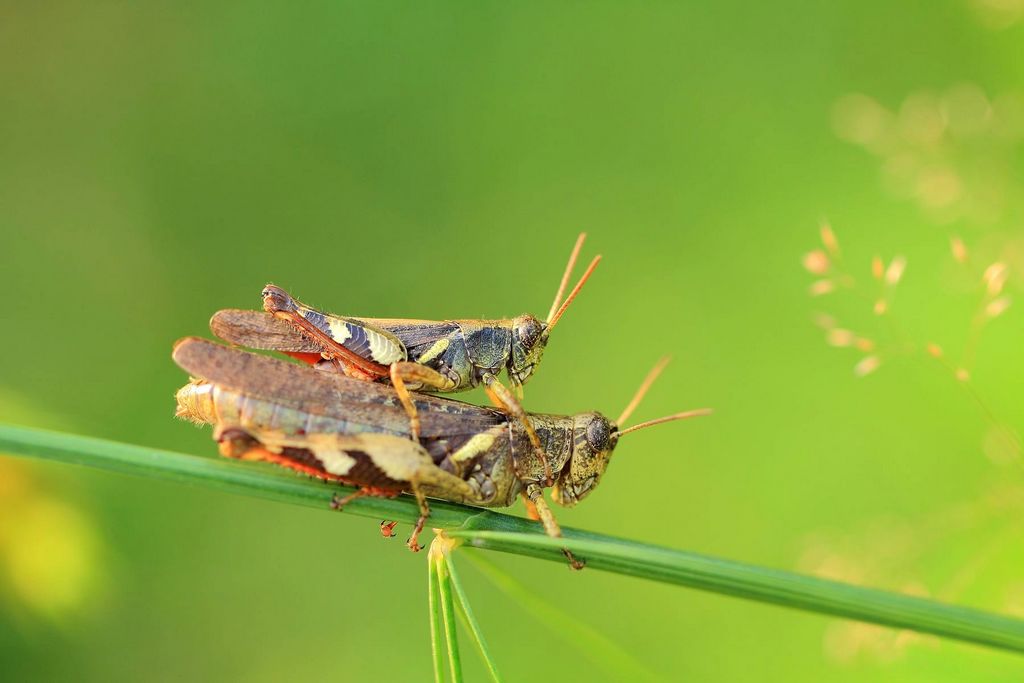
[163, 160]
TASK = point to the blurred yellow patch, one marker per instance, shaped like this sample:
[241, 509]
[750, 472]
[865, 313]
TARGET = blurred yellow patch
[49, 548]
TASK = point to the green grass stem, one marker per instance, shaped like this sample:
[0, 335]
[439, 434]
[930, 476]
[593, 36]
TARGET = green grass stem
[434, 605]
[471, 623]
[506, 533]
[451, 635]
[590, 642]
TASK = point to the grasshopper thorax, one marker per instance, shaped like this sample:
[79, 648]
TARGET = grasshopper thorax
[594, 439]
[529, 337]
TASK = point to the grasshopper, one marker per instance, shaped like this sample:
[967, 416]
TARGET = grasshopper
[336, 428]
[419, 355]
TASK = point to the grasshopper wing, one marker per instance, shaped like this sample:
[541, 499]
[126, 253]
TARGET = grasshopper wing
[328, 394]
[260, 330]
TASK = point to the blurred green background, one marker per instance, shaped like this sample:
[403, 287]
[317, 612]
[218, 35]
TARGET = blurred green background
[161, 160]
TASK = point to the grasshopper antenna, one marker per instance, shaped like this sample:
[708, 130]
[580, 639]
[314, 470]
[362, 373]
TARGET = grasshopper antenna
[553, 320]
[638, 396]
[644, 386]
[565, 276]
[668, 418]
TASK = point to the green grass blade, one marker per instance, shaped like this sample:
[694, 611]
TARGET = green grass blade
[471, 622]
[253, 479]
[448, 611]
[496, 531]
[768, 585]
[589, 641]
[434, 603]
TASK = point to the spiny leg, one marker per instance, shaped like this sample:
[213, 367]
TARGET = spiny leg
[547, 519]
[406, 371]
[441, 484]
[503, 398]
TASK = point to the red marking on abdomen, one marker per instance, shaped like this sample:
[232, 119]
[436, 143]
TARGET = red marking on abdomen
[305, 356]
[263, 455]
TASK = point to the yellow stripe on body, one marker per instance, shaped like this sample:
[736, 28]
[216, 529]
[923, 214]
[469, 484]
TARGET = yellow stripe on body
[438, 347]
[480, 443]
[397, 457]
[334, 460]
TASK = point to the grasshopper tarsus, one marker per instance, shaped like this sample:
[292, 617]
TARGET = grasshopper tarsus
[421, 499]
[535, 494]
[338, 503]
[575, 564]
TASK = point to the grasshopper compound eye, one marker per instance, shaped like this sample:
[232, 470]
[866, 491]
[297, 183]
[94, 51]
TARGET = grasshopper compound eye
[599, 434]
[527, 330]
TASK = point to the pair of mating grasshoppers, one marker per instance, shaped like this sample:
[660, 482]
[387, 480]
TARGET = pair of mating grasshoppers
[365, 415]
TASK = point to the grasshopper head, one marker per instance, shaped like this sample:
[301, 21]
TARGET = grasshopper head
[529, 337]
[594, 439]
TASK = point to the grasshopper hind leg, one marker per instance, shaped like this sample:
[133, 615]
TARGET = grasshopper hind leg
[381, 465]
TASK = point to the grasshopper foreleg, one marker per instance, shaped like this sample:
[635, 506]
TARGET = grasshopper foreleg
[414, 373]
[504, 399]
[531, 508]
[535, 494]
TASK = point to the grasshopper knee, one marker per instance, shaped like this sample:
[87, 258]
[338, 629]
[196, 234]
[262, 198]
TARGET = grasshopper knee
[276, 299]
[235, 442]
